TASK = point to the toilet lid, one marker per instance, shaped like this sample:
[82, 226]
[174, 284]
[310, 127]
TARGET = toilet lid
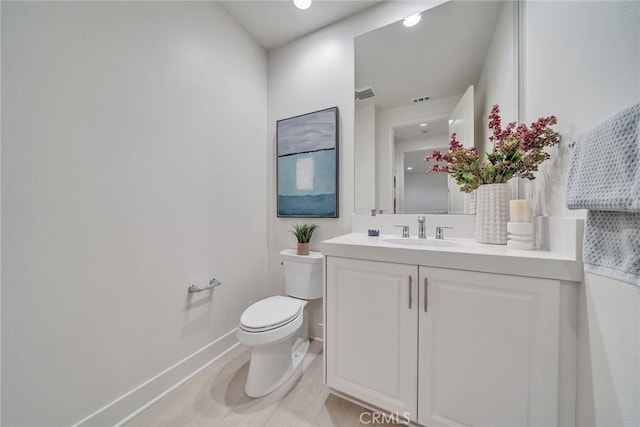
[270, 313]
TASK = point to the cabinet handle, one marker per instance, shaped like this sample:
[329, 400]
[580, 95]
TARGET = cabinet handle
[410, 290]
[426, 295]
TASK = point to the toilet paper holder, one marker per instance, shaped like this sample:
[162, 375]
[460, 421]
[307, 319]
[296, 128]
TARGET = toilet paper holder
[212, 284]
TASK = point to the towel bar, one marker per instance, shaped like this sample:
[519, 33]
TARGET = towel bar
[212, 284]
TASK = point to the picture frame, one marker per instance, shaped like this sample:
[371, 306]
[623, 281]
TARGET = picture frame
[307, 165]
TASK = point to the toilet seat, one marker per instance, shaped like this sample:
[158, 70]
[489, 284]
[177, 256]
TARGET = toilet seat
[271, 313]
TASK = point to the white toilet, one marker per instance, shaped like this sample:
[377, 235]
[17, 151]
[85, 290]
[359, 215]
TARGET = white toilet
[276, 328]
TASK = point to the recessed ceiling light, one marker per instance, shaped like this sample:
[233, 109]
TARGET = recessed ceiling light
[412, 20]
[422, 125]
[303, 4]
[409, 168]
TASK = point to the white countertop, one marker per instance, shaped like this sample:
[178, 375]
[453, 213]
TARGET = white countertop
[467, 255]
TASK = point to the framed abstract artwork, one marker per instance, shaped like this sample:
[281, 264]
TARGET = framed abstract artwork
[307, 165]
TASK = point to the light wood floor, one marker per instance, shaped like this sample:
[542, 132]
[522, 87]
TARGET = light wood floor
[215, 397]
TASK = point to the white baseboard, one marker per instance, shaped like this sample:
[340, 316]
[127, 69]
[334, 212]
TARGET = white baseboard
[140, 398]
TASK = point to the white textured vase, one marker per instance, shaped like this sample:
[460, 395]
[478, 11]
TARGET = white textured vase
[492, 213]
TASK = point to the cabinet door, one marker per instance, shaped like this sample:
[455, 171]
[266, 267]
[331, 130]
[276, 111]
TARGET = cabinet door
[372, 324]
[488, 349]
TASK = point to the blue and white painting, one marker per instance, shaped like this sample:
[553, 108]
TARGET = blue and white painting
[308, 165]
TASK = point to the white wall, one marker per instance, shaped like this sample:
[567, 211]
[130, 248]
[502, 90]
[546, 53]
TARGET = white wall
[425, 193]
[582, 76]
[365, 152]
[1, 275]
[498, 82]
[309, 74]
[583, 65]
[133, 165]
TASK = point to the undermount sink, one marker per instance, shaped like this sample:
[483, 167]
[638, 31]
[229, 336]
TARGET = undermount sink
[421, 242]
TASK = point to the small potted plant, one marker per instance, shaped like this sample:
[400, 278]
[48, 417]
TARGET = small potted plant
[303, 233]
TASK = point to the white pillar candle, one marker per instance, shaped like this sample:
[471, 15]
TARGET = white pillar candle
[520, 211]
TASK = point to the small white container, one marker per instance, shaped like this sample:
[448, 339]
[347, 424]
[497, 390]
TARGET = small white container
[520, 235]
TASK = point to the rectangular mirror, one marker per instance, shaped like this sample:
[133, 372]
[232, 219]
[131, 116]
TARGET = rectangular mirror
[415, 85]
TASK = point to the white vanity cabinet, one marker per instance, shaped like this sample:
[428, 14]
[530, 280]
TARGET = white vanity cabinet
[371, 329]
[488, 349]
[449, 347]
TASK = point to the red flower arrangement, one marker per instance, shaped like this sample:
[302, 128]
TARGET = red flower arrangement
[517, 151]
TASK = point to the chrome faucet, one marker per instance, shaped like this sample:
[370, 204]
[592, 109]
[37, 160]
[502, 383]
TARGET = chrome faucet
[440, 233]
[405, 230]
[421, 227]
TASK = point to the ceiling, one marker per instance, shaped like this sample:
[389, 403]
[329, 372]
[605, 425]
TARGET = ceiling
[407, 133]
[273, 23]
[439, 57]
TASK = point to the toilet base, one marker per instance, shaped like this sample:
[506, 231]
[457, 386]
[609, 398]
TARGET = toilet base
[271, 366]
[276, 353]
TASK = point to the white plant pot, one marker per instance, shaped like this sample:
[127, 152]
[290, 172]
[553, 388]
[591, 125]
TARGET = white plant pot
[492, 213]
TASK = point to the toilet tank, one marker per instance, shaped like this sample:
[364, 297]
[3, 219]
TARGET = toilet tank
[302, 274]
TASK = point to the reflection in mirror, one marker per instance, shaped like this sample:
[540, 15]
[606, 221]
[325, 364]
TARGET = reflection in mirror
[415, 190]
[446, 72]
